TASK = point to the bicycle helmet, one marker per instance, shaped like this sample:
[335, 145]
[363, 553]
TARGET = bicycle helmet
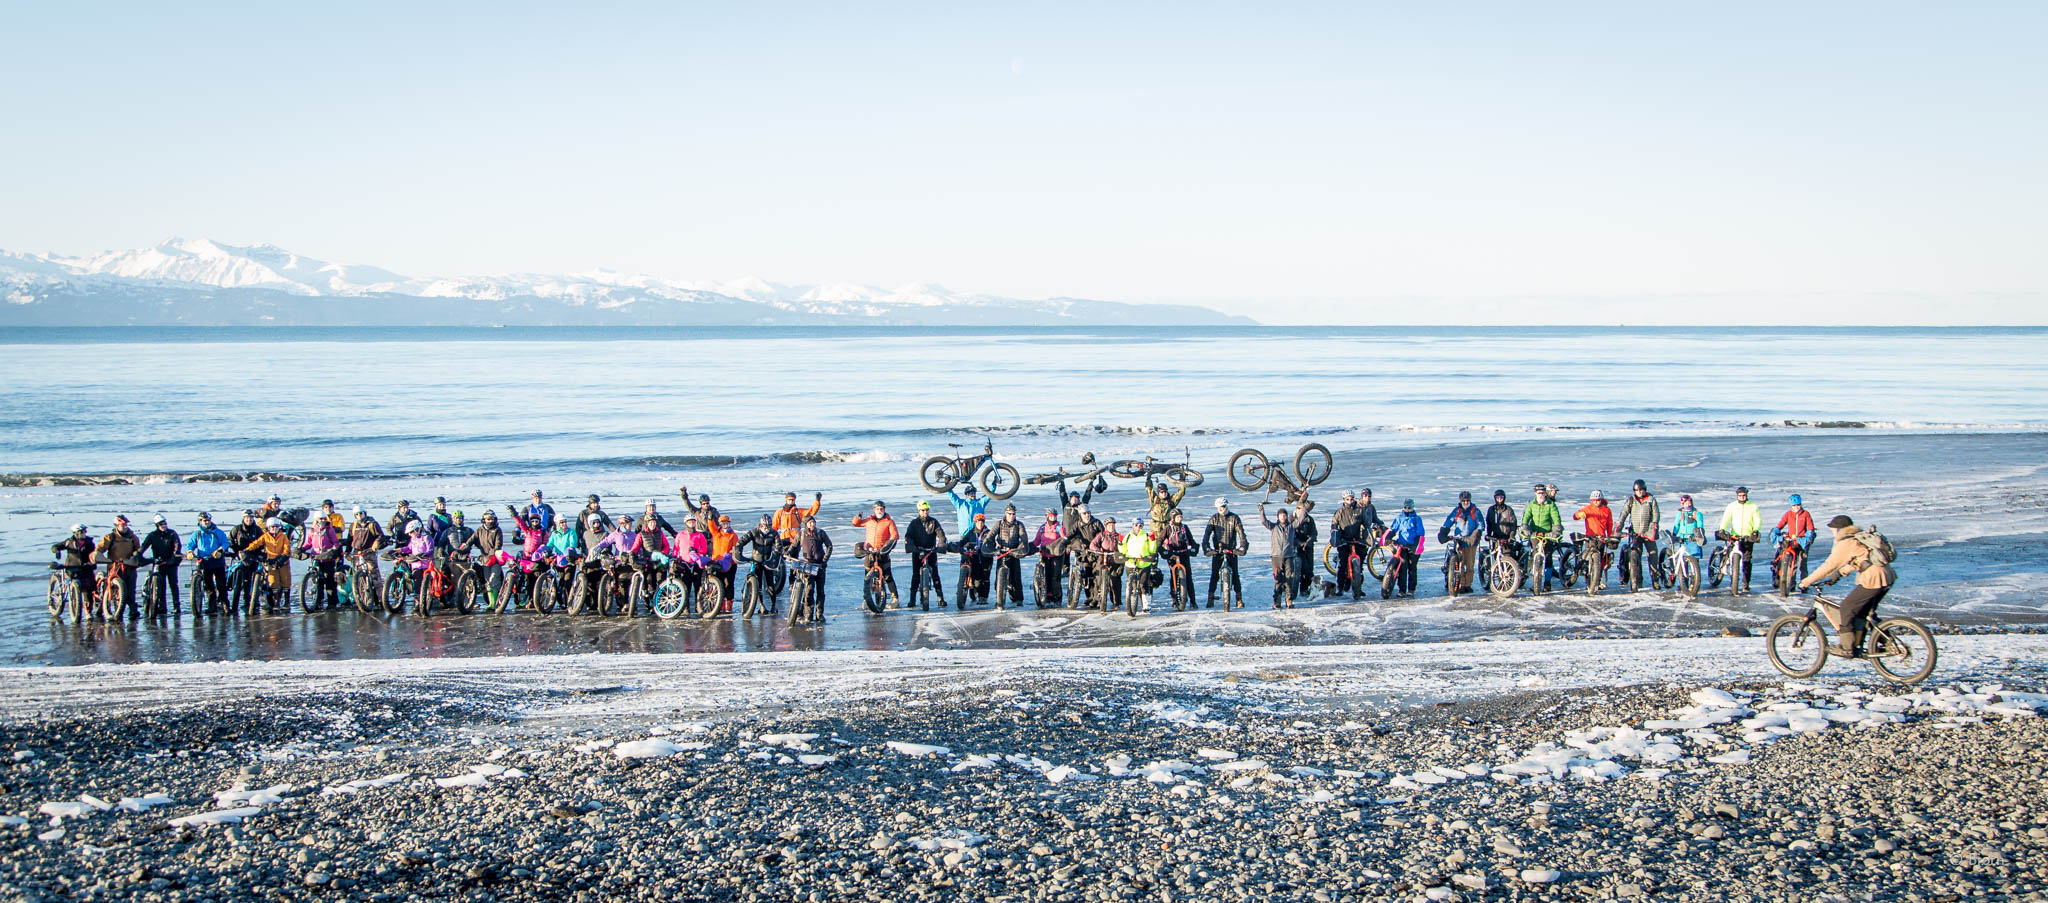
[203, 516]
[1221, 503]
[980, 516]
[592, 499]
[1011, 508]
[160, 518]
[1742, 489]
[1795, 499]
[274, 522]
[274, 498]
[702, 499]
[1407, 504]
[1465, 496]
[1684, 498]
[412, 526]
[78, 528]
[724, 520]
[1641, 485]
[1500, 495]
[1598, 497]
[458, 514]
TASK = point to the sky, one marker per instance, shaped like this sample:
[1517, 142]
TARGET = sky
[1347, 163]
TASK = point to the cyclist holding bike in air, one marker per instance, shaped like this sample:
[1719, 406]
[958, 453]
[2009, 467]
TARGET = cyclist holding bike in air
[1741, 523]
[1224, 541]
[1280, 532]
[881, 540]
[924, 538]
[966, 507]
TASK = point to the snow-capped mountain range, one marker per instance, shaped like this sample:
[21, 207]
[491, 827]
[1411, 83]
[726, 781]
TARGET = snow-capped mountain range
[204, 282]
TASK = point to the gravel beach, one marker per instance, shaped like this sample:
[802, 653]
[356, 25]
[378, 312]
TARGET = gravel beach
[1270, 781]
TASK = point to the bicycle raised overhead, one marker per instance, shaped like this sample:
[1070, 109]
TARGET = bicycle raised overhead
[1180, 474]
[1250, 470]
[941, 473]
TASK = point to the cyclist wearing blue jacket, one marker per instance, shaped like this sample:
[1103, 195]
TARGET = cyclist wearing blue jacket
[540, 514]
[209, 546]
[1404, 536]
[966, 508]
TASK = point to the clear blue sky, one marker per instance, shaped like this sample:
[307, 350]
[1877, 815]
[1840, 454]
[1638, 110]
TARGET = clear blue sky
[1289, 161]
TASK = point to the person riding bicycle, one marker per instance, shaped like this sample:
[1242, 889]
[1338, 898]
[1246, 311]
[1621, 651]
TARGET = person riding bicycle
[789, 518]
[1874, 580]
[322, 543]
[120, 544]
[1796, 524]
[1545, 526]
[814, 548]
[209, 548]
[977, 553]
[274, 547]
[364, 539]
[242, 535]
[1640, 525]
[454, 541]
[1461, 530]
[1742, 522]
[881, 540]
[706, 513]
[1285, 551]
[1050, 543]
[1104, 567]
[1600, 526]
[332, 516]
[1403, 538]
[1306, 534]
[75, 552]
[724, 556]
[162, 551]
[1348, 537]
[923, 538]
[439, 521]
[1177, 543]
[540, 513]
[1009, 540]
[595, 531]
[1140, 554]
[396, 526]
[1224, 541]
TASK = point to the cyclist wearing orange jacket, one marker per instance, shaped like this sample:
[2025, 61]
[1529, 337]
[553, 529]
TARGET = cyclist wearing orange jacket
[881, 540]
[789, 517]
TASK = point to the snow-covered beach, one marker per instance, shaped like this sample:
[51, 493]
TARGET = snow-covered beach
[1543, 768]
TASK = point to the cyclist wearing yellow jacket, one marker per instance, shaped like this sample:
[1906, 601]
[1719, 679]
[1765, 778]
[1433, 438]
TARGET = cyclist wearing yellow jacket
[1140, 550]
[1741, 522]
[275, 546]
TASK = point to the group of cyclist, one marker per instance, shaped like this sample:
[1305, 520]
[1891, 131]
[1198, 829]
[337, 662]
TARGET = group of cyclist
[1082, 560]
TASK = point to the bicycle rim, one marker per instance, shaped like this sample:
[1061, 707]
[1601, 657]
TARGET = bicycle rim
[1903, 651]
[1795, 646]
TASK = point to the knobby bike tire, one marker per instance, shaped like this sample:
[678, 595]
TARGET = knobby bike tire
[55, 596]
[197, 592]
[750, 595]
[1248, 469]
[395, 591]
[1312, 464]
[1001, 481]
[309, 597]
[1129, 469]
[1788, 576]
[710, 595]
[939, 474]
[1796, 646]
[669, 599]
[113, 599]
[1903, 650]
[1504, 576]
[873, 596]
[1183, 476]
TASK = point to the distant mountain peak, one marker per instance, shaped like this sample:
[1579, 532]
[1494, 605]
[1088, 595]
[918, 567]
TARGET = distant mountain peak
[179, 267]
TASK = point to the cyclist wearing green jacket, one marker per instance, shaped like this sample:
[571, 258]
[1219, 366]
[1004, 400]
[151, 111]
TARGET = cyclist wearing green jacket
[1546, 529]
[1165, 500]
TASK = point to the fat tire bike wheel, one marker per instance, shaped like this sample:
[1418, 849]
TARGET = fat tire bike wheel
[1903, 650]
[1796, 646]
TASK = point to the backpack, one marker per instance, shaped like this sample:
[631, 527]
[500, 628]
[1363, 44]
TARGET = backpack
[1878, 550]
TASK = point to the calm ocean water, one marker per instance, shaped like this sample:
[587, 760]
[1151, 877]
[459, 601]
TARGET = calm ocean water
[368, 416]
[387, 402]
